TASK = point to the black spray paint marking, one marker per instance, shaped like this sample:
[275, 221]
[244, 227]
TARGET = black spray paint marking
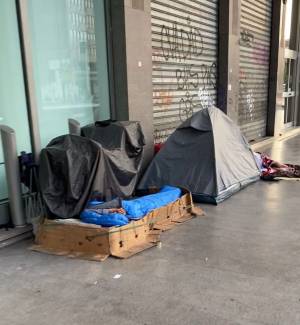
[180, 44]
[247, 92]
[246, 38]
[189, 80]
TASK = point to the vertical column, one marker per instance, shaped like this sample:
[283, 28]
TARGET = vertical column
[234, 59]
[132, 57]
[222, 84]
[13, 175]
[229, 57]
[139, 67]
[118, 58]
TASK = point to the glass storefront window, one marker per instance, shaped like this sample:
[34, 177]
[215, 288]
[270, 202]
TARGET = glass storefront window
[288, 22]
[68, 42]
[13, 108]
[286, 74]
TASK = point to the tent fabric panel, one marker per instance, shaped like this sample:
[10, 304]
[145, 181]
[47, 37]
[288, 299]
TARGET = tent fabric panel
[199, 121]
[175, 163]
[234, 159]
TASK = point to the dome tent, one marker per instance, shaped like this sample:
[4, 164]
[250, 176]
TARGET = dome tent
[208, 155]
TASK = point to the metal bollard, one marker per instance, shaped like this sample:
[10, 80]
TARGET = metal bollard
[74, 127]
[12, 175]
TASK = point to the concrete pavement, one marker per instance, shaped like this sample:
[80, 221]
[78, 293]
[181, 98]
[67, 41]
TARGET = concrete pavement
[238, 265]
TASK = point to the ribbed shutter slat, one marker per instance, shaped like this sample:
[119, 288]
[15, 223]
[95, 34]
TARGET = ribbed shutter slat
[184, 58]
[255, 42]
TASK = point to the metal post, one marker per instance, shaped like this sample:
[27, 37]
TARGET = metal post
[12, 175]
[74, 127]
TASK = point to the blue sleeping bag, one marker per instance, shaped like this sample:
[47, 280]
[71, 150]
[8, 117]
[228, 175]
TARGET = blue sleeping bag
[104, 220]
[138, 208]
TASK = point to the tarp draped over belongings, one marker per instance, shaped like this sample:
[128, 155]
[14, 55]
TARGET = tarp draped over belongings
[122, 144]
[208, 155]
[106, 160]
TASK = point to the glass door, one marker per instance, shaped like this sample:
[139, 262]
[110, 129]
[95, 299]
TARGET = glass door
[13, 108]
[69, 56]
[289, 87]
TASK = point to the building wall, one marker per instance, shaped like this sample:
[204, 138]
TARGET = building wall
[139, 67]
[133, 66]
[233, 50]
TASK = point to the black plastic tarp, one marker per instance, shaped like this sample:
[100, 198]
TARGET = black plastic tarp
[106, 159]
[207, 155]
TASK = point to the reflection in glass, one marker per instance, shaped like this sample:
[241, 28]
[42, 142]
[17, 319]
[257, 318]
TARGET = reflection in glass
[286, 74]
[68, 41]
[288, 110]
[288, 22]
[13, 109]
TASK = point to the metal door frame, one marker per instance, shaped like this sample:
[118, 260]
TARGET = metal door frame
[291, 55]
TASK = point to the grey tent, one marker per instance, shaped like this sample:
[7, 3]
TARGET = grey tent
[207, 155]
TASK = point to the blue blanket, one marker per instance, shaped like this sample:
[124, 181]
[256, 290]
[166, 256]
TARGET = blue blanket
[104, 220]
[138, 208]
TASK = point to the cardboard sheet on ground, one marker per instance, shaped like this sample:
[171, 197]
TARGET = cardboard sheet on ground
[73, 238]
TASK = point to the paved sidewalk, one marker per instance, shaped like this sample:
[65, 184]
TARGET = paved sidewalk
[238, 265]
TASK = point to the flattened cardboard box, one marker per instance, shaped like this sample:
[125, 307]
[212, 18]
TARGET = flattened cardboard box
[73, 238]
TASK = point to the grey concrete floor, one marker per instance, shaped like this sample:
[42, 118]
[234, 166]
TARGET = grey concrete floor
[238, 265]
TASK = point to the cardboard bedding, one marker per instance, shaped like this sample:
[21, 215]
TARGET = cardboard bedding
[73, 238]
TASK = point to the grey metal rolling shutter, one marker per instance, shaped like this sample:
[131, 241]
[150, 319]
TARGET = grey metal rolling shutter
[255, 41]
[184, 56]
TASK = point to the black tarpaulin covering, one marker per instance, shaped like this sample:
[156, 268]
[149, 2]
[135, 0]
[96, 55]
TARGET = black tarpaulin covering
[207, 155]
[122, 144]
[126, 136]
[106, 159]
